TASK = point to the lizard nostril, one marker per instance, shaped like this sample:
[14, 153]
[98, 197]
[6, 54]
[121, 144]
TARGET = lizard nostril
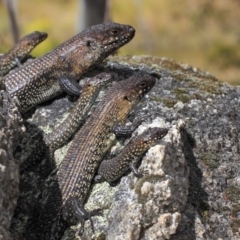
[89, 43]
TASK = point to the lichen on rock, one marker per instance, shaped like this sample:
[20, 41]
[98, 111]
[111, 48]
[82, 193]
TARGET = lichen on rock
[11, 130]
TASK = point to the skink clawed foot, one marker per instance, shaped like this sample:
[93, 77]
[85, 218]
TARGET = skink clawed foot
[122, 131]
[75, 208]
[138, 173]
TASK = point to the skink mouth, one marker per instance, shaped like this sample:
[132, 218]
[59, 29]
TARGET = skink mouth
[107, 79]
[35, 37]
[41, 35]
[101, 79]
[120, 40]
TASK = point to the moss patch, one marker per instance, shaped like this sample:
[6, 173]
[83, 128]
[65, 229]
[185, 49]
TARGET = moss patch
[181, 96]
[179, 91]
[235, 225]
[204, 211]
[210, 160]
[185, 98]
[232, 193]
[235, 210]
[225, 208]
[207, 86]
[156, 98]
[197, 96]
[169, 102]
[205, 216]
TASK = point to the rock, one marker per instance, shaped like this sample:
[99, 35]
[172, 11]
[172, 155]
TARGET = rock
[11, 130]
[192, 187]
[154, 201]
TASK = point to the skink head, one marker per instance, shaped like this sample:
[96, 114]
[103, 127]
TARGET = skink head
[30, 41]
[138, 85]
[100, 79]
[91, 46]
[127, 93]
[153, 134]
[108, 37]
[148, 138]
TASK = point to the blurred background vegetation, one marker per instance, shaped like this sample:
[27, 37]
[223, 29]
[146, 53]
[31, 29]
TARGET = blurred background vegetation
[205, 34]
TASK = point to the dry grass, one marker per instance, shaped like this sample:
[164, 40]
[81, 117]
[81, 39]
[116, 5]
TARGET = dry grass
[204, 33]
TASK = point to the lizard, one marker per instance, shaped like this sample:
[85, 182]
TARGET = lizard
[72, 122]
[112, 169]
[20, 51]
[48, 143]
[78, 113]
[38, 80]
[84, 155]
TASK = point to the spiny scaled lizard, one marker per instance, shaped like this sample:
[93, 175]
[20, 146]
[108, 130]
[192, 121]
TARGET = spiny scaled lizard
[112, 169]
[84, 155]
[20, 51]
[38, 80]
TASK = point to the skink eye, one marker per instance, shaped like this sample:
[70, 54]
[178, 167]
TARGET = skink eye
[114, 32]
[159, 135]
[142, 85]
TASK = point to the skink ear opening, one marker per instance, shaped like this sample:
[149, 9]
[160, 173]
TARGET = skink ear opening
[129, 97]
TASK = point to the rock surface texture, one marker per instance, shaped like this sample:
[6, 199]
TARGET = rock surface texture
[191, 186]
[11, 131]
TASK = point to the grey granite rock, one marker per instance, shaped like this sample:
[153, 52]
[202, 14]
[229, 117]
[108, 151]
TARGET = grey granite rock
[11, 130]
[192, 187]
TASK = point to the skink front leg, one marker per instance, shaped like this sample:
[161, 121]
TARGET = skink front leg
[71, 87]
[136, 173]
[18, 62]
[126, 131]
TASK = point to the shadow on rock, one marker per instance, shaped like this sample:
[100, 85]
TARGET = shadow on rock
[36, 164]
[197, 197]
